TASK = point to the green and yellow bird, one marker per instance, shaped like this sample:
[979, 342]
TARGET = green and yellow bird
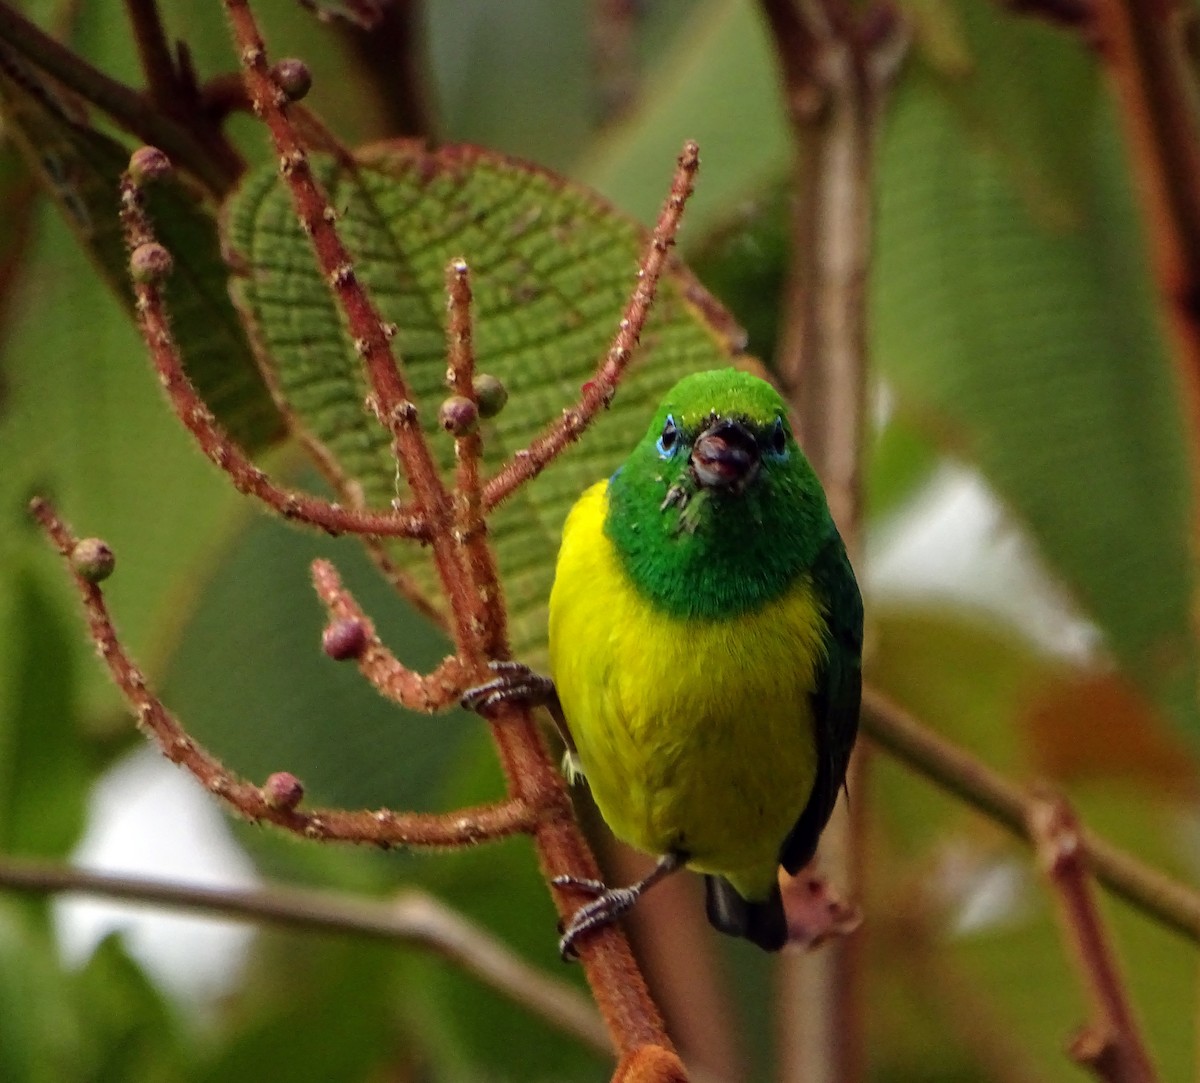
[705, 645]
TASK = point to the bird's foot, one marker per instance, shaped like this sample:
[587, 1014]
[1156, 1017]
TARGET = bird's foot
[607, 905]
[514, 682]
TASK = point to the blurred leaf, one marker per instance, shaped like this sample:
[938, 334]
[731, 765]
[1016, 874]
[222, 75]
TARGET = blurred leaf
[132, 1034]
[39, 1034]
[323, 1011]
[744, 261]
[84, 422]
[362, 13]
[901, 459]
[1099, 725]
[44, 769]
[551, 267]
[80, 168]
[718, 85]
[1023, 322]
[493, 67]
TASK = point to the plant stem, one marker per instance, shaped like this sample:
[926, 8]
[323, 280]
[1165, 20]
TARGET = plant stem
[411, 917]
[1110, 1045]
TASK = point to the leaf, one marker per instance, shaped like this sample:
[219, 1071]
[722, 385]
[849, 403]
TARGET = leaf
[1099, 726]
[719, 86]
[551, 267]
[79, 168]
[44, 769]
[39, 1033]
[131, 1031]
[1014, 310]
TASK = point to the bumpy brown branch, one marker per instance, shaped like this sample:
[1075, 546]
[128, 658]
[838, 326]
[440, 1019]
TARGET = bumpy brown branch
[412, 917]
[382, 827]
[151, 264]
[470, 527]
[425, 693]
[598, 392]
[1110, 1045]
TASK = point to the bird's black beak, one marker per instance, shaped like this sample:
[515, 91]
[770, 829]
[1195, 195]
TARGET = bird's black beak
[725, 456]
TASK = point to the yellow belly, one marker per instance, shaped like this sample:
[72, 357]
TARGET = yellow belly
[693, 735]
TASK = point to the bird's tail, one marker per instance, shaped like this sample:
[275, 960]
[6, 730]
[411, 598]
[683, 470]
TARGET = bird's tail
[763, 923]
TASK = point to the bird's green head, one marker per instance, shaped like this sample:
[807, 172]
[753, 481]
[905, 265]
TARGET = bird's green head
[717, 510]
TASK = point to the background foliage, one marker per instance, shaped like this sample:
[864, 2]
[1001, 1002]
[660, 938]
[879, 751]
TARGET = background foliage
[1012, 334]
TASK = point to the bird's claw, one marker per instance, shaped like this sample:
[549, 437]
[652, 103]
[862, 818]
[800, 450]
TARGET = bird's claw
[514, 682]
[608, 905]
[581, 883]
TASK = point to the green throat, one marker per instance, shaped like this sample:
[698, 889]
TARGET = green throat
[713, 553]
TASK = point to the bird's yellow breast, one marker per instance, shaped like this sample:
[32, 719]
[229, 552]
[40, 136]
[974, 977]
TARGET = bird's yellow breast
[694, 735]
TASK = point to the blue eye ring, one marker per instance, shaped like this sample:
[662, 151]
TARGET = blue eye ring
[777, 440]
[668, 442]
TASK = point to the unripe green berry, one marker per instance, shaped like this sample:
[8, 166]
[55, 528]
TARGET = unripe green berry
[491, 395]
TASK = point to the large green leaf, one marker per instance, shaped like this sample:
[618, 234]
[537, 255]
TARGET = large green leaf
[1011, 310]
[551, 268]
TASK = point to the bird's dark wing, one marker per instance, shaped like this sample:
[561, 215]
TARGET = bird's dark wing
[835, 702]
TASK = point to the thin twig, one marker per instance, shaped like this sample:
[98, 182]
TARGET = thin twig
[896, 731]
[211, 438]
[598, 392]
[154, 53]
[1111, 1044]
[411, 917]
[382, 827]
[424, 693]
[121, 103]
[469, 523]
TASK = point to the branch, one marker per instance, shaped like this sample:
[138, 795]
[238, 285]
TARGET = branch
[383, 827]
[1156, 895]
[351, 634]
[121, 103]
[1110, 1045]
[150, 264]
[411, 917]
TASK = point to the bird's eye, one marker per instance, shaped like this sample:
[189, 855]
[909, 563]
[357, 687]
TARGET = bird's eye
[669, 441]
[777, 439]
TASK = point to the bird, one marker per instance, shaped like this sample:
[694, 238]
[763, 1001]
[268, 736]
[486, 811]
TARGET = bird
[705, 634]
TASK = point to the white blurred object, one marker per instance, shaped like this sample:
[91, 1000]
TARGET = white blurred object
[149, 818]
[955, 542]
